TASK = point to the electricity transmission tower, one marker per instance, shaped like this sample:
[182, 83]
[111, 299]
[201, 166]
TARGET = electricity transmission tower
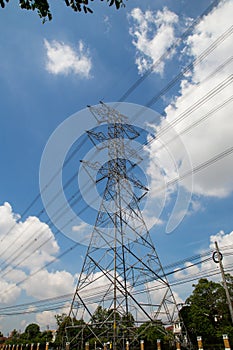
[121, 272]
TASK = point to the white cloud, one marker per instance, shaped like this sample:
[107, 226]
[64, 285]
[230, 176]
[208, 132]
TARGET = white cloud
[45, 284]
[214, 134]
[26, 246]
[64, 59]
[165, 161]
[14, 275]
[30, 243]
[47, 318]
[192, 270]
[224, 240]
[8, 292]
[80, 228]
[153, 33]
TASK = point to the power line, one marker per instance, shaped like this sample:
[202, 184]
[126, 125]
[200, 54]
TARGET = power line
[127, 93]
[168, 51]
[190, 66]
[196, 61]
[59, 301]
[196, 169]
[38, 196]
[186, 175]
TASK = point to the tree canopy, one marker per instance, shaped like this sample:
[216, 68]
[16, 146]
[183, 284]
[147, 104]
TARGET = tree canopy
[206, 312]
[64, 322]
[99, 330]
[32, 334]
[150, 332]
[43, 6]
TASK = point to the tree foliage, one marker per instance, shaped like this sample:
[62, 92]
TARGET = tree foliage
[66, 325]
[43, 6]
[206, 312]
[150, 332]
[32, 330]
[102, 321]
[32, 334]
[97, 331]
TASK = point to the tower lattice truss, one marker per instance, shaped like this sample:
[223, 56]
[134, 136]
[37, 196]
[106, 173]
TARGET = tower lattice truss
[122, 284]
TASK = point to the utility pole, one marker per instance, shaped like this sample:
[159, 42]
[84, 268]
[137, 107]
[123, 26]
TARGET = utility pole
[219, 255]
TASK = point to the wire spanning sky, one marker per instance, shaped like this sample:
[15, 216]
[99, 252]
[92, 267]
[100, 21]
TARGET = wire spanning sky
[174, 57]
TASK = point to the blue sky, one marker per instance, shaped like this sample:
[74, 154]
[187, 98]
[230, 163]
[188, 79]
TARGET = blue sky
[51, 71]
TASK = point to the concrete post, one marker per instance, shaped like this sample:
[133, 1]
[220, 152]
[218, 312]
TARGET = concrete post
[226, 342]
[199, 343]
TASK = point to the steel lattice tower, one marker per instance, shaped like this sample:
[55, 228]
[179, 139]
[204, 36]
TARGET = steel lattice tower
[121, 271]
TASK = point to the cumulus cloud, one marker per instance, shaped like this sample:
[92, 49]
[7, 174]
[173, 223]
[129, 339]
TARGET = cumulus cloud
[30, 243]
[47, 318]
[45, 284]
[8, 292]
[26, 246]
[223, 239]
[201, 114]
[64, 59]
[153, 33]
[164, 165]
